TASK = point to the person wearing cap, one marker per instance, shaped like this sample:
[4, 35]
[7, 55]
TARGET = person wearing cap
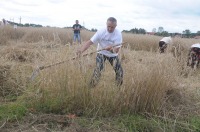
[109, 41]
[194, 55]
[76, 28]
[163, 43]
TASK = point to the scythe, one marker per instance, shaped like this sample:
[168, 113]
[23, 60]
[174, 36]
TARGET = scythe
[36, 71]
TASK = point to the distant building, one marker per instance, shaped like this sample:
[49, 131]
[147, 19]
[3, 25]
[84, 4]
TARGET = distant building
[197, 37]
[178, 36]
[150, 33]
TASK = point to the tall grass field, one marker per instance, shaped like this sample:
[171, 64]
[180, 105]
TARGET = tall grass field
[160, 93]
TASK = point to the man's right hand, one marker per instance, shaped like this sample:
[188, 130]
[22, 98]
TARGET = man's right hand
[109, 48]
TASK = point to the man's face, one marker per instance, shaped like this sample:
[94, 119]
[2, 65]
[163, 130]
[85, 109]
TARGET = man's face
[111, 26]
[76, 22]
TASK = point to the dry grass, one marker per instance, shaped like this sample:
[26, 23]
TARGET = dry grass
[13, 79]
[21, 55]
[142, 42]
[154, 84]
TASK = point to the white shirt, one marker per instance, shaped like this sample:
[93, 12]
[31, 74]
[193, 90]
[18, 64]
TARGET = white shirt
[167, 40]
[103, 38]
[197, 45]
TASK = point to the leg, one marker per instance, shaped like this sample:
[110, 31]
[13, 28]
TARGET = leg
[164, 47]
[198, 62]
[194, 60]
[114, 61]
[198, 57]
[100, 59]
[161, 46]
[75, 37]
[79, 38]
[189, 58]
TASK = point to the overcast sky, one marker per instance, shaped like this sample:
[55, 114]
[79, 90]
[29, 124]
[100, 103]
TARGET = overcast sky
[172, 15]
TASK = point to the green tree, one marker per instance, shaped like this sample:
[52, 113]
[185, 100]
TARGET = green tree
[141, 31]
[160, 29]
[138, 31]
[198, 33]
[26, 25]
[186, 33]
[165, 34]
[93, 30]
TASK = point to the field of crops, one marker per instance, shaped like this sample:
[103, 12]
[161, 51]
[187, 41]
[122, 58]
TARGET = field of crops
[159, 93]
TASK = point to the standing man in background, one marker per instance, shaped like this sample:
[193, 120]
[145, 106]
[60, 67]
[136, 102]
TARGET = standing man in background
[109, 40]
[77, 27]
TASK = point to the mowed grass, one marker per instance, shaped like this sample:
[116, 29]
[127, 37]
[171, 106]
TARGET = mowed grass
[159, 93]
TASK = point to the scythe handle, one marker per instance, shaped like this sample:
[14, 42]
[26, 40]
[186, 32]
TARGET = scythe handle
[34, 74]
[44, 67]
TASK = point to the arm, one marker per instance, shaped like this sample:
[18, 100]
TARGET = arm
[73, 27]
[80, 27]
[84, 47]
[116, 49]
[113, 49]
[117, 44]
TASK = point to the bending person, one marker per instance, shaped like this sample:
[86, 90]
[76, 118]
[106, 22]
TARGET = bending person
[163, 43]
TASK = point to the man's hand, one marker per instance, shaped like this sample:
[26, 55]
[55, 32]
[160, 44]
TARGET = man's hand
[112, 49]
[109, 48]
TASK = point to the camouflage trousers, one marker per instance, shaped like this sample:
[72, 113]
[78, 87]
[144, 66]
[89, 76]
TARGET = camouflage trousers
[100, 62]
[162, 46]
[193, 59]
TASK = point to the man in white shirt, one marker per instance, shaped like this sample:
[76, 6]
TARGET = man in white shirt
[109, 39]
[163, 43]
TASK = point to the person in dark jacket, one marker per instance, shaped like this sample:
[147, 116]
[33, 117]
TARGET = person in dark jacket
[77, 27]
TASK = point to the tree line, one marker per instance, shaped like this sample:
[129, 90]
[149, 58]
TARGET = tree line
[25, 25]
[185, 34]
[161, 32]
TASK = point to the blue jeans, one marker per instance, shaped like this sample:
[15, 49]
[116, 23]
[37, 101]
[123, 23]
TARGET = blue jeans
[100, 61]
[77, 36]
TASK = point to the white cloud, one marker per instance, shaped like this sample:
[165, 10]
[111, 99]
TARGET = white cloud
[173, 15]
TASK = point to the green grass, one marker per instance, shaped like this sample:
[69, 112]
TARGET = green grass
[122, 122]
[12, 111]
[195, 122]
[139, 123]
